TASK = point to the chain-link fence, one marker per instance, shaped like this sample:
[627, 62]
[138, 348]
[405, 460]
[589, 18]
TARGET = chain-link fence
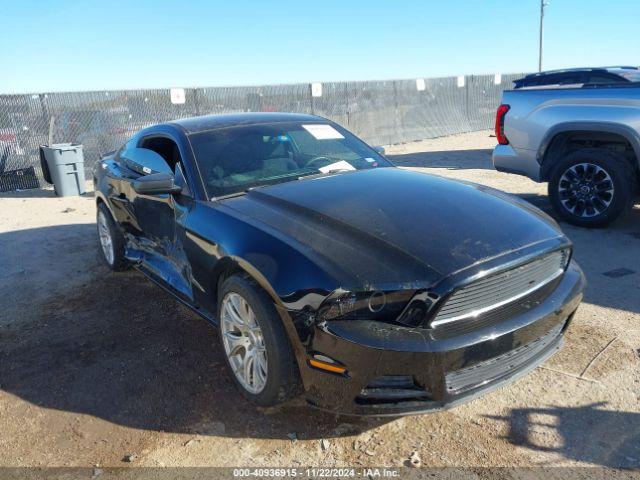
[380, 112]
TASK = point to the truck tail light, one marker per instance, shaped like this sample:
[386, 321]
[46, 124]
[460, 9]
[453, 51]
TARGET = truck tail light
[500, 114]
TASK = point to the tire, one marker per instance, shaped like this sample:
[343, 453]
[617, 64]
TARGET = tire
[592, 187]
[281, 380]
[106, 226]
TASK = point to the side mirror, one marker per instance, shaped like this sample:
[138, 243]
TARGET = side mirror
[145, 161]
[156, 184]
[379, 150]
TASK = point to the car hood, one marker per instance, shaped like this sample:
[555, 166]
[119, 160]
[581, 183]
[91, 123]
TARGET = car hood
[389, 225]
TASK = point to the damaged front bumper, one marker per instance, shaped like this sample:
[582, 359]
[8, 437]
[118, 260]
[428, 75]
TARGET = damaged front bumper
[393, 370]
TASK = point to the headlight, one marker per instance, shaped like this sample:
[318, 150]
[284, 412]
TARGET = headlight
[364, 305]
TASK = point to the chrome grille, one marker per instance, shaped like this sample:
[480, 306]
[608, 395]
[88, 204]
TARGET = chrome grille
[500, 289]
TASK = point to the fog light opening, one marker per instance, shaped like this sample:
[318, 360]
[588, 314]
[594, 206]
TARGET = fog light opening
[415, 314]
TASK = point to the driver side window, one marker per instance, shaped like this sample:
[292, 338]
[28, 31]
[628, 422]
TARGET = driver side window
[168, 149]
[165, 147]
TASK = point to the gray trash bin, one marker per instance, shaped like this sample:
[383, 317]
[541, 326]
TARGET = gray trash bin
[65, 165]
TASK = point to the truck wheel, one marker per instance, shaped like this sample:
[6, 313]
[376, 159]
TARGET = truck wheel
[592, 187]
[256, 346]
[111, 240]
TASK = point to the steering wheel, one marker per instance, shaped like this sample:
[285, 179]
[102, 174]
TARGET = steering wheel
[325, 161]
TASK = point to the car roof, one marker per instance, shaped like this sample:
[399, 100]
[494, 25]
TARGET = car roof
[614, 69]
[211, 122]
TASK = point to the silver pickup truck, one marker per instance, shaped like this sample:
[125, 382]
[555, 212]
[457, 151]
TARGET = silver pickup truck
[584, 140]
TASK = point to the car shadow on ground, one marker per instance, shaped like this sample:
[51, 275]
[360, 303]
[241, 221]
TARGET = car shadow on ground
[120, 349]
[450, 159]
[608, 256]
[540, 201]
[588, 433]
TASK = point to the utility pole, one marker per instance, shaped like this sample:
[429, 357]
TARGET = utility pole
[543, 4]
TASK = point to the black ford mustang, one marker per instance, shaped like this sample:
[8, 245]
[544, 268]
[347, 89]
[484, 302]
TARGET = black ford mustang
[328, 271]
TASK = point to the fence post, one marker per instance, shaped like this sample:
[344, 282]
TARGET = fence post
[398, 137]
[466, 101]
[196, 101]
[45, 112]
[311, 98]
[346, 97]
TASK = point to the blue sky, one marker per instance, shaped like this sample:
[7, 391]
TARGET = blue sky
[63, 45]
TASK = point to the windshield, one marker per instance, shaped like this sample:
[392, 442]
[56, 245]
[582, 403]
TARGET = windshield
[234, 159]
[631, 75]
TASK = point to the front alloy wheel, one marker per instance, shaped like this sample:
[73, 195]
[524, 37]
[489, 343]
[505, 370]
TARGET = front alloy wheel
[243, 343]
[256, 346]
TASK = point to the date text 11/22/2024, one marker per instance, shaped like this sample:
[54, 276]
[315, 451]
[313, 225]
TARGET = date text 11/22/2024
[312, 472]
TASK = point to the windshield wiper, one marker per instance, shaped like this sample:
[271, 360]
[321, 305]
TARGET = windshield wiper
[229, 195]
[237, 194]
[300, 177]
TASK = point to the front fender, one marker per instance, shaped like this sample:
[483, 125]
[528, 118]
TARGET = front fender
[217, 238]
[285, 266]
[217, 242]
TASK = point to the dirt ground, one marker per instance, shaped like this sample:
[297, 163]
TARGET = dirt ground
[95, 366]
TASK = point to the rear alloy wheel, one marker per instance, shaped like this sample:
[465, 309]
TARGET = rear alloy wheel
[105, 238]
[586, 190]
[591, 187]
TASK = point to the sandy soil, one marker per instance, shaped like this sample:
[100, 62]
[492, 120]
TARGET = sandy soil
[95, 366]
